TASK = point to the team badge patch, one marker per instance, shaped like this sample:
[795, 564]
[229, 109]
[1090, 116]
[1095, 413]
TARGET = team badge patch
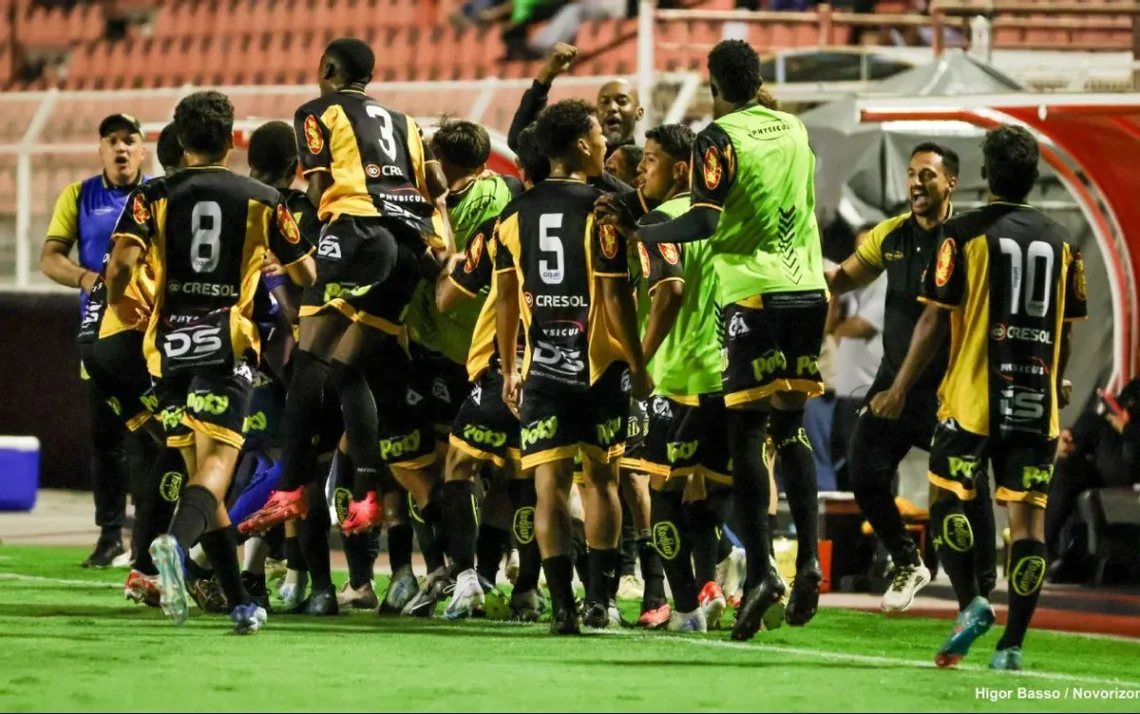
[139, 210]
[1079, 284]
[609, 241]
[313, 136]
[945, 267]
[713, 168]
[669, 253]
[474, 253]
[372, 170]
[643, 254]
[287, 226]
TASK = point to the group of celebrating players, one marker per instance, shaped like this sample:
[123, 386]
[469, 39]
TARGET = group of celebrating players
[417, 344]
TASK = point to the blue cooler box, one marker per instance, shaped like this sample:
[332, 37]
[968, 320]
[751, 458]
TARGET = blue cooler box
[19, 472]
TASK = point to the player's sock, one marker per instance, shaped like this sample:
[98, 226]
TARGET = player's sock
[196, 511]
[1026, 574]
[359, 562]
[361, 426]
[460, 522]
[294, 556]
[751, 489]
[652, 571]
[793, 455]
[954, 542]
[301, 417]
[672, 538]
[400, 546]
[490, 546]
[628, 540]
[773, 524]
[980, 511]
[221, 547]
[523, 499]
[254, 552]
[579, 550]
[428, 535]
[724, 545]
[703, 522]
[560, 579]
[605, 566]
[157, 503]
[314, 537]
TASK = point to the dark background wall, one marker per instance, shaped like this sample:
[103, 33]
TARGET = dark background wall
[42, 394]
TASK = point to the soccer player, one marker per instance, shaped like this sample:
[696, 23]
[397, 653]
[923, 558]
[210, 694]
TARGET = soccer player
[168, 150]
[1004, 284]
[901, 247]
[753, 198]
[376, 187]
[583, 357]
[623, 162]
[211, 230]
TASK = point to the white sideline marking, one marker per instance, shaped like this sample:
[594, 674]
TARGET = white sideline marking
[59, 581]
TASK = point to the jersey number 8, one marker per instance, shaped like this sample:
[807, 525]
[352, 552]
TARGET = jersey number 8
[206, 220]
[1035, 270]
[387, 139]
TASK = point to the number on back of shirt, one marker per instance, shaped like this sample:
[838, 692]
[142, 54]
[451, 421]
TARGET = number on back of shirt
[1030, 276]
[551, 271]
[387, 138]
[206, 223]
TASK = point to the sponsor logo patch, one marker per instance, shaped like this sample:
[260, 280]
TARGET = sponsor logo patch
[713, 168]
[945, 268]
[313, 137]
[474, 253]
[669, 253]
[139, 210]
[372, 170]
[287, 225]
[607, 236]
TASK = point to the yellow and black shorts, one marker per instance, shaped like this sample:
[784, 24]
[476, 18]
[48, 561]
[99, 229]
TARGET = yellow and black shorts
[557, 421]
[684, 439]
[212, 401]
[367, 269]
[118, 373]
[484, 427]
[772, 344]
[1022, 463]
[407, 438]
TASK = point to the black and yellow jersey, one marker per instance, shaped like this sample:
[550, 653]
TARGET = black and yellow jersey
[902, 248]
[209, 230]
[375, 156]
[97, 321]
[549, 237]
[1010, 277]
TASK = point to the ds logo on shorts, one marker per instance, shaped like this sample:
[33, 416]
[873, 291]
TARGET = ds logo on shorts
[170, 487]
[608, 430]
[769, 363]
[210, 403]
[737, 326]
[544, 429]
[329, 247]
[397, 446]
[524, 525]
[680, 450]
[666, 539]
[479, 435]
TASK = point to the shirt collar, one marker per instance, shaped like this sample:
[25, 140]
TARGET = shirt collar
[107, 184]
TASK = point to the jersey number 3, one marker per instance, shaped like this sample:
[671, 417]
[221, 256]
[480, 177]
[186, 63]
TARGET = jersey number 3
[387, 138]
[1032, 270]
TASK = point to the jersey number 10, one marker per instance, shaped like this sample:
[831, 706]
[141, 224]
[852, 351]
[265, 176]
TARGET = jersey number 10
[1034, 269]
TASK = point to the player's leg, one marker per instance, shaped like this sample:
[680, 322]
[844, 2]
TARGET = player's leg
[403, 586]
[526, 600]
[496, 516]
[552, 531]
[358, 592]
[460, 512]
[705, 515]
[672, 537]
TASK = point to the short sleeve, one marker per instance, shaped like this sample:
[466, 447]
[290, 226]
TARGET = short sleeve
[870, 251]
[306, 217]
[1076, 297]
[285, 239]
[609, 253]
[506, 243]
[64, 224]
[944, 282]
[713, 168]
[312, 141]
[136, 222]
[659, 262]
[475, 272]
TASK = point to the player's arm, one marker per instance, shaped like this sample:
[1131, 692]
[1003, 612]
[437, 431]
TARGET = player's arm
[313, 151]
[862, 266]
[929, 334]
[469, 273]
[535, 98]
[712, 175]
[62, 233]
[507, 239]
[611, 271]
[1076, 308]
[131, 239]
[666, 281]
[868, 321]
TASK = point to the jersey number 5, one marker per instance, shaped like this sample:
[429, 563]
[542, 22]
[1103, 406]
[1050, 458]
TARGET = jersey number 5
[206, 219]
[387, 138]
[551, 274]
[1034, 269]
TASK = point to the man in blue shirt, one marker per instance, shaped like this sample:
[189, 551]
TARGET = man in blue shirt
[85, 215]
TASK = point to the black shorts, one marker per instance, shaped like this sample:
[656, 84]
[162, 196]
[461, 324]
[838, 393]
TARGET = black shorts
[1022, 464]
[444, 386]
[367, 269]
[484, 427]
[557, 421]
[407, 439]
[266, 409]
[684, 439]
[117, 369]
[214, 402]
[773, 348]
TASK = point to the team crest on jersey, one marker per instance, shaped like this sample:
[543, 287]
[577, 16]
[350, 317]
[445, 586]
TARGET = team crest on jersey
[139, 210]
[713, 168]
[945, 267]
[644, 255]
[609, 241]
[669, 253]
[474, 253]
[313, 135]
[372, 170]
[529, 299]
[1079, 285]
[287, 226]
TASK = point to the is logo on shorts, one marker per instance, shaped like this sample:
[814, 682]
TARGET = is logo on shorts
[372, 170]
[713, 168]
[474, 253]
[313, 136]
[1079, 284]
[139, 210]
[945, 267]
[607, 236]
[643, 255]
[287, 226]
[669, 253]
